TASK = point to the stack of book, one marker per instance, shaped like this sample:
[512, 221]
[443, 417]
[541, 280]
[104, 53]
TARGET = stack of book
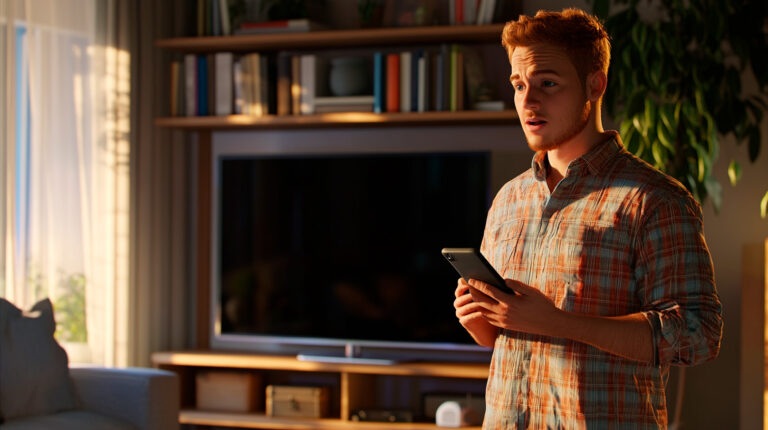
[442, 78]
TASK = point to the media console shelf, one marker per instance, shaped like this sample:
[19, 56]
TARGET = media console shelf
[353, 387]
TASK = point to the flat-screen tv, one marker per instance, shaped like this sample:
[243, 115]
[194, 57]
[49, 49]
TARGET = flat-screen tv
[314, 253]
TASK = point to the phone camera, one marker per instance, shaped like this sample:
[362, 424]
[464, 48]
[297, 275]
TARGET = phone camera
[450, 257]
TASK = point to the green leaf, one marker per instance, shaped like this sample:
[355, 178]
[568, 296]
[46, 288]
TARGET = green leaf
[764, 206]
[650, 114]
[734, 172]
[715, 192]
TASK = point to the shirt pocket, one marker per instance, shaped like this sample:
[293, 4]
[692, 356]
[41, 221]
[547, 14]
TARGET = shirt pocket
[506, 247]
[595, 264]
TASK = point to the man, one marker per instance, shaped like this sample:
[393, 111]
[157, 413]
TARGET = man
[607, 254]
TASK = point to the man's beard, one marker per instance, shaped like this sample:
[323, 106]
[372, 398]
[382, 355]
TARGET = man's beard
[577, 127]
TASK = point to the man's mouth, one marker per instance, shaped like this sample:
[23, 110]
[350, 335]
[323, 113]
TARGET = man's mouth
[535, 122]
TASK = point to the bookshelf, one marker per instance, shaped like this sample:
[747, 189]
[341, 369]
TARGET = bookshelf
[355, 382]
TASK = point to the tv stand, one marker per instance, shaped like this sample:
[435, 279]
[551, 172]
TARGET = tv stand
[353, 386]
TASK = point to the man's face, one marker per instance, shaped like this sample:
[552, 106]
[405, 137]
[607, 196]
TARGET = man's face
[549, 96]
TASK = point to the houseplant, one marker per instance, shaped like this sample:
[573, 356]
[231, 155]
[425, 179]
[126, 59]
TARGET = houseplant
[676, 83]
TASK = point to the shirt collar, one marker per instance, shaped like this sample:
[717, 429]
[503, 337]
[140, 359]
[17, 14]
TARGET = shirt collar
[590, 163]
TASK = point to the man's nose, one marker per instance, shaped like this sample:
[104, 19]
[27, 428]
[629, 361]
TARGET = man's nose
[531, 99]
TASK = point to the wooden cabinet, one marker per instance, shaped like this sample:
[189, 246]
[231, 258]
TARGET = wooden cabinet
[353, 387]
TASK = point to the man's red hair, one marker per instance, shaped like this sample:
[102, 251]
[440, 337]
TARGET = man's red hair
[578, 33]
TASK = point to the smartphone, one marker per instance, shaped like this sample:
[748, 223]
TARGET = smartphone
[471, 264]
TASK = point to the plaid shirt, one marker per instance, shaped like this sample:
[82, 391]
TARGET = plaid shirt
[615, 237]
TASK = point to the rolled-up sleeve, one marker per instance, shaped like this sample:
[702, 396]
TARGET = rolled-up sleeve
[676, 284]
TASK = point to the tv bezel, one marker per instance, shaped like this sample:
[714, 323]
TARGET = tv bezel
[291, 345]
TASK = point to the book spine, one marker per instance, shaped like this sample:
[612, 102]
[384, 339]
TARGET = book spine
[452, 79]
[174, 108]
[405, 81]
[210, 66]
[295, 85]
[255, 66]
[460, 80]
[223, 83]
[190, 78]
[415, 87]
[202, 85]
[216, 17]
[378, 82]
[393, 83]
[440, 72]
[226, 25]
[422, 86]
[237, 78]
[308, 63]
[283, 84]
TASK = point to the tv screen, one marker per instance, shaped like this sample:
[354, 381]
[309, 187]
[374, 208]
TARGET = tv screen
[337, 248]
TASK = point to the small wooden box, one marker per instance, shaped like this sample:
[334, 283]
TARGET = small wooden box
[228, 391]
[290, 401]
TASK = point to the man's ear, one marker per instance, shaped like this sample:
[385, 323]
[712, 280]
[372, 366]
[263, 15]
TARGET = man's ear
[597, 81]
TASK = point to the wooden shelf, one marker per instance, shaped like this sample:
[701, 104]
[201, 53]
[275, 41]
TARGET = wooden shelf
[339, 120]
[251, 361]
[260, 421]
[337, 39]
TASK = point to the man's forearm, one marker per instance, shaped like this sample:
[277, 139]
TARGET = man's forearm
[629, 336]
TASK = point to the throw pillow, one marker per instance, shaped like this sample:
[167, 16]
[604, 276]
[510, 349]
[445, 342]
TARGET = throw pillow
[34, 369]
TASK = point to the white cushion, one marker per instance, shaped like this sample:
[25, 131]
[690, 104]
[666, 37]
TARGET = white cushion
[34, 375]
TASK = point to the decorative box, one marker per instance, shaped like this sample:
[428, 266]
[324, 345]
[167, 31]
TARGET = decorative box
[228, 391]
[292, 401]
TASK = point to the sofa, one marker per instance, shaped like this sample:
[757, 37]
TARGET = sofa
[39, 390]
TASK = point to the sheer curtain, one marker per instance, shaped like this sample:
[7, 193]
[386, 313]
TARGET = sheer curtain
[65, 178]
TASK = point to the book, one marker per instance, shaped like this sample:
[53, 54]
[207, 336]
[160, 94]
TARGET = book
[190, 78]
[295, 85]
[308, 66]
[237, 80]
[405, 81]
[226, 25]
[344, 100]
[215, 17]
[344, 108]
[283, 84]
[423, 86]
[284, 26]
[489, 105]
[202, 85]
[174, 106]
[415, 80]
[379, 89]
[224, 79]
[452, 78]
[393, 83]
[211, 85]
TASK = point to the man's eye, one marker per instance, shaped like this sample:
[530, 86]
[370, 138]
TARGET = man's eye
[518, 87]
[548, 84]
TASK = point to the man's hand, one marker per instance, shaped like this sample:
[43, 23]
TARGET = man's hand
[530, 311]
[628, 336]
[471, 317]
